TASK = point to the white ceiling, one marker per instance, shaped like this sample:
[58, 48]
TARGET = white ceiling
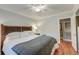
[25, 10]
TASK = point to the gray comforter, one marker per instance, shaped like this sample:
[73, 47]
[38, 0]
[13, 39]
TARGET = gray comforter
[41, 45]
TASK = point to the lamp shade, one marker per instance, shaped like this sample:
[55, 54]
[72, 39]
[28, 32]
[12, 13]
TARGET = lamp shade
[34, 26]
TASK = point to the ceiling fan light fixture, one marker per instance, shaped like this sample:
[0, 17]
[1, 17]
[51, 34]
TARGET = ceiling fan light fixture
[36, 9]
[39, 8]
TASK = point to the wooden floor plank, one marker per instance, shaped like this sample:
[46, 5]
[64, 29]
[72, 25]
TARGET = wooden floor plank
[65, 48]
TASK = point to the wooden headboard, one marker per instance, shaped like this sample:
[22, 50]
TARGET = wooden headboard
[8, 29]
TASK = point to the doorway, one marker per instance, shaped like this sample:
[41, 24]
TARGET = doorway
[77, 29]
[65, 29]
[77, 32]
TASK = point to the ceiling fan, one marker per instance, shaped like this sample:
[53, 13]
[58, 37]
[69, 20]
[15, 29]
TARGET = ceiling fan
[38, 7]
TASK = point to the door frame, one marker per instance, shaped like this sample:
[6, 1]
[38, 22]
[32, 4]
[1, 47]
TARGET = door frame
[77, 32]
[60, 26]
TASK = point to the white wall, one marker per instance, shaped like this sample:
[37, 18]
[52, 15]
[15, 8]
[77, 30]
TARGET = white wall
[73, 32]
[10, 18]
[50, 25]
[73, 27]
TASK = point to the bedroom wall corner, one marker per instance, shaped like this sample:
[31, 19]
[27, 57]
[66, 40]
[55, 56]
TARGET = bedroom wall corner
[73, 27]
[50, 25]
[13, 19]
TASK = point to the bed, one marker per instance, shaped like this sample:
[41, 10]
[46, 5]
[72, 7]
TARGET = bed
[6, 29]
[26, 42]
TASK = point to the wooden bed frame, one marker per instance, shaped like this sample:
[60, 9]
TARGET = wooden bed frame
[8, 29]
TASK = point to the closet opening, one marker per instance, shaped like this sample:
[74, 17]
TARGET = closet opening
[65, 30]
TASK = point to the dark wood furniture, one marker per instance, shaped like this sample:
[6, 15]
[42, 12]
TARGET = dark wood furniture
[4, 30]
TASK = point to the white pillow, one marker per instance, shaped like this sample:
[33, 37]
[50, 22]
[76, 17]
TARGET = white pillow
[26, 33]
[14, 35]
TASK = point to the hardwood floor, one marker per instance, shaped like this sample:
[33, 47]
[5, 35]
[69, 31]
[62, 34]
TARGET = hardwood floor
[65, 48]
